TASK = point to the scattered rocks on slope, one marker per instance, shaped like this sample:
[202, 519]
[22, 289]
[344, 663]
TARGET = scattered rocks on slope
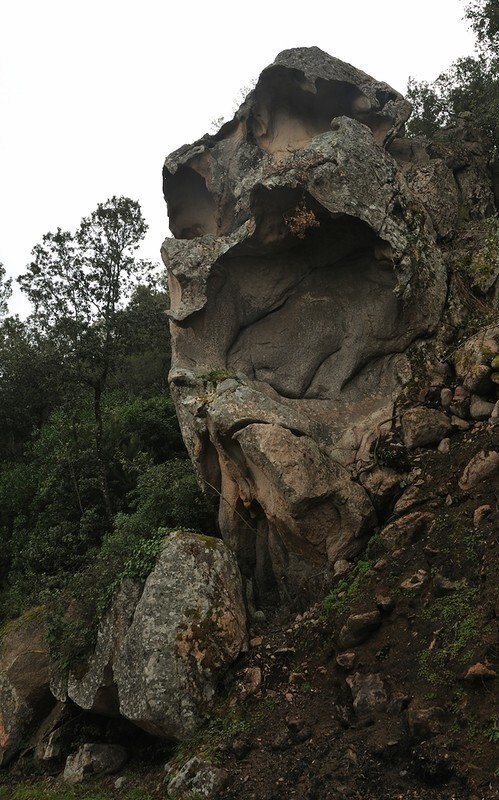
[483, 466]
[424, 426]
[94, 759]
[197, 778]
[358, 628]
[480, 409]
[481, 513]
[369, 695]
[406, 529]
[480, 671]
[425, 722]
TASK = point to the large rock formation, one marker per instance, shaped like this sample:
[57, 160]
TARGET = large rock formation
[303, 270]
[161, 651]
[24, 680]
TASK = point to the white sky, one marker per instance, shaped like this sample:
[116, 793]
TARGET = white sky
[94, 94]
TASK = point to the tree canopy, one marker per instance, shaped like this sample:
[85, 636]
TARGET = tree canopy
[93, 470]
[469, 84]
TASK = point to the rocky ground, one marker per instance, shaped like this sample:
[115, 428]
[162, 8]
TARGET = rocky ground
[358, 487]
[383, 690]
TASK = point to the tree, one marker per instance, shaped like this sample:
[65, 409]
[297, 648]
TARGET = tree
[470, 84]
[78, 283]
[30, 385]
[5, 291]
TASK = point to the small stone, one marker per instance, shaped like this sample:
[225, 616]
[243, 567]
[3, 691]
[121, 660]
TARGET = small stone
[480, 409]
[495, 412]
[369, 696]
[346, 660]
[424, 722]
[240, 747]
[444, 446]
[495, 377]
[483, 466]
[404, 530]
[480, 671]
[252, 680]
[197, 777]
[341, 567]
[93, 759]
[459, 423]
[296, 677]
[481, 513]
[448, 500]
[415, 581]
[358, 628]
[446, 398]
[443, 585]
[495, 363]
[384, 603]
[413, 496]
[256, 641]
[380, 564]
[424, 426]
[120, 782]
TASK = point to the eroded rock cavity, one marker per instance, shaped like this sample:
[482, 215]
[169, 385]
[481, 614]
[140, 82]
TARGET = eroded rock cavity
[302, 270]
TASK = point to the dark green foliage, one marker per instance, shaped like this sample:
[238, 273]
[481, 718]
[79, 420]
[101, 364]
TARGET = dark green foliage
[5, 291]
[93, 470]
[469, 85]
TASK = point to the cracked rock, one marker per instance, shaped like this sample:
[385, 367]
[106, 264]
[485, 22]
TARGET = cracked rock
[301, 270]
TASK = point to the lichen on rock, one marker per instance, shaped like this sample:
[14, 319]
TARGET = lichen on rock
[304, 266]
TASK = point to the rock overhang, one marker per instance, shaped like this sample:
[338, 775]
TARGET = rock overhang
[302, 270]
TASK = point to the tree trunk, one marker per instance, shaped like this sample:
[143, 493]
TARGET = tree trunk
[98, 449]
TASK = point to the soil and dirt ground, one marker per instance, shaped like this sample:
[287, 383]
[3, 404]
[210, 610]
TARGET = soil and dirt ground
[381, 707]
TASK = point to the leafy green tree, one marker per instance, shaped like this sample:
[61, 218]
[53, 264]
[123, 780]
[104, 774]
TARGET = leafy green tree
[30, 385]
[78, 284]
[470, 84]
[5, 291]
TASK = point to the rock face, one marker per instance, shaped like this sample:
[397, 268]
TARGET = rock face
[303, 268]
[159, 654]
[24, 680]
[94, 759]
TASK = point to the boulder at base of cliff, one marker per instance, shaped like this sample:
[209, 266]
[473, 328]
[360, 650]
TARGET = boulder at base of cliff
[94, 759]
[161, 653]
[24, 680]
[197, 778]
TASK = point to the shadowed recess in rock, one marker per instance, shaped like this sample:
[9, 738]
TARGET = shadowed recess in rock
[306, 316]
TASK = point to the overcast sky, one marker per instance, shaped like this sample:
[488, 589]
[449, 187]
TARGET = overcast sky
[94, 94]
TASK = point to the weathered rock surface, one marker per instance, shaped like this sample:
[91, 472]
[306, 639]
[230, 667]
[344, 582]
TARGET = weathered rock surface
[358, 628]
[484, 466]
[405, 529]
[369, 695]
[424, 426]
[24, 680]
[94, 759]
[160, 653]
[197, 778]
[303, 269]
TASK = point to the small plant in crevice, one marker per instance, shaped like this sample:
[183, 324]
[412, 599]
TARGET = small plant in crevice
[301, 220]
[347, 589]
[389, 450]
[493, 732]
[456, 618]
